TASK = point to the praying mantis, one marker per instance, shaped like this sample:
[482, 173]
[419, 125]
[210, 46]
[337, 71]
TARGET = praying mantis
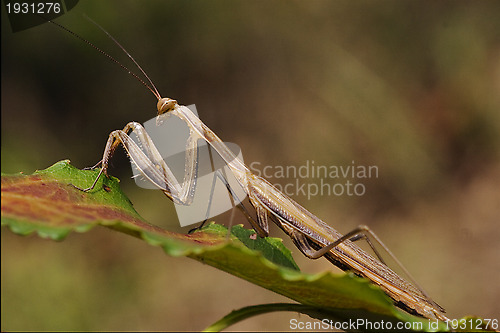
[313, 237]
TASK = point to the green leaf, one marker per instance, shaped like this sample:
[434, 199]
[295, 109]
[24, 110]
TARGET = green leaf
[331, 319]
[47, 204]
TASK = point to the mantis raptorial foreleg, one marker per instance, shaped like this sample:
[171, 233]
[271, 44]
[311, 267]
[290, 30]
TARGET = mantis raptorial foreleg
[149, 162]
[147, 159]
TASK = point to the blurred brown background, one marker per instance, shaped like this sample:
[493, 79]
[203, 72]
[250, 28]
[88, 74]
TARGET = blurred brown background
[411, 87]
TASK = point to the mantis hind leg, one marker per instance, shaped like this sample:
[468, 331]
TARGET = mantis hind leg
[361, 232]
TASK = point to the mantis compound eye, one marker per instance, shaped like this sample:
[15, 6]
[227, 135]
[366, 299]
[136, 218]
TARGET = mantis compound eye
[166, 104]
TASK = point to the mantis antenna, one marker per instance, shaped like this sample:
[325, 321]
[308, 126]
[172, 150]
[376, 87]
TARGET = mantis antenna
[151, 87]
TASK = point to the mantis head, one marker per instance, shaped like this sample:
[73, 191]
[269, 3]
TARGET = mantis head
[165, 105]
